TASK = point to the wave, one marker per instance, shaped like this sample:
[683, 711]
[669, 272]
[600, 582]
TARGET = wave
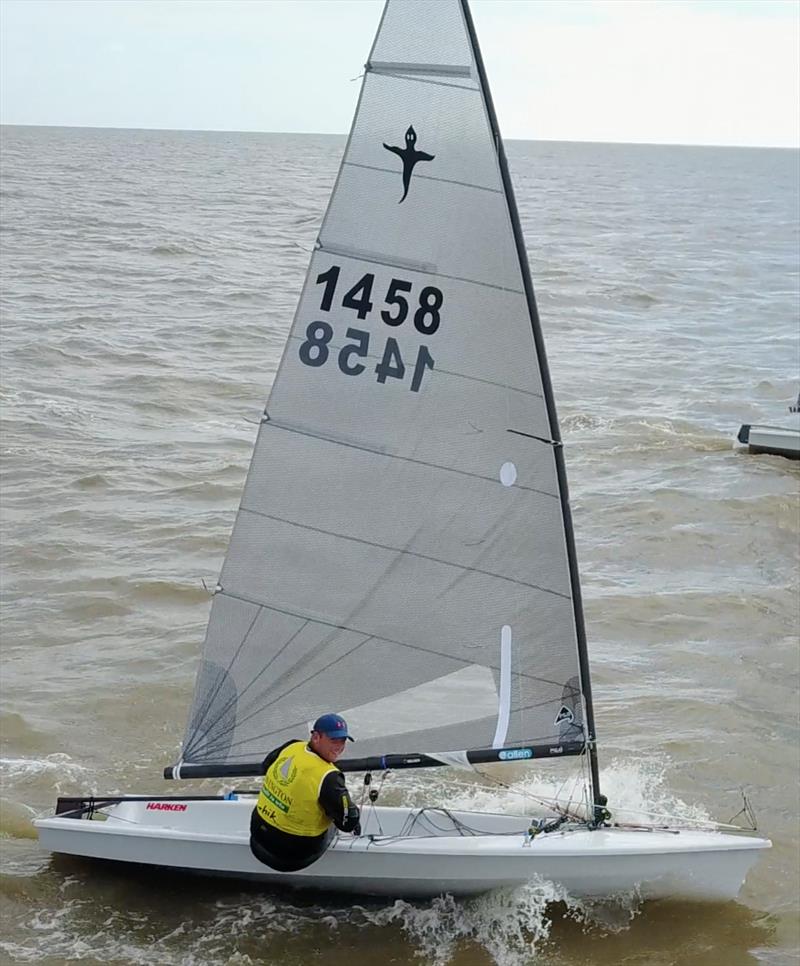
[508, 924]
[21, 770]
[169, 249]
[16, 819]
[94, 481]
[210, 924]
[156, 591]
[511, 927]
[117, 597]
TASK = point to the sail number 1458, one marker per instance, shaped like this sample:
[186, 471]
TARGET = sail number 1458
[425, 317]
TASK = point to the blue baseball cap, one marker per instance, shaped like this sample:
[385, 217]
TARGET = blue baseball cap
[332, 726]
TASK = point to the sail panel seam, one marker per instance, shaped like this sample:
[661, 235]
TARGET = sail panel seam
[386, 640]
[394, 456]
[424, 177]
[401, 552]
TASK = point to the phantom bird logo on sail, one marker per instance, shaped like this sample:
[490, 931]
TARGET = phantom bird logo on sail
[409, 156]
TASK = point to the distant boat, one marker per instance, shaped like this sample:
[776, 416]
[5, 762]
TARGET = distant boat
[404, 549]
[774, 440]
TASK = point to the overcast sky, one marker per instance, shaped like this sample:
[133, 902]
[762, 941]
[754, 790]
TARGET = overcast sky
[663, 71]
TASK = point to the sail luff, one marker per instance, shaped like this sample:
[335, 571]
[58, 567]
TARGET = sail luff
[583, 656]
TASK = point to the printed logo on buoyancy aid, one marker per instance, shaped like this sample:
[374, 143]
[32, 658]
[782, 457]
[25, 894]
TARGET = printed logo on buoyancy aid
[289, 797]
[287, 772]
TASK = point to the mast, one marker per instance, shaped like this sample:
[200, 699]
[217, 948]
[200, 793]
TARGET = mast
[555, 435]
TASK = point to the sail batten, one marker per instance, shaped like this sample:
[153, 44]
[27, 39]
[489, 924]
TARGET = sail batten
[378, 258]
[403, 549]
[396, 67]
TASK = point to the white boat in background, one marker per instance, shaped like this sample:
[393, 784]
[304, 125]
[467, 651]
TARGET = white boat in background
[403, 552]
[774, 440]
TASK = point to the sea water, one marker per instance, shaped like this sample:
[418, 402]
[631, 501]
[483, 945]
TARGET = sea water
[148, 282]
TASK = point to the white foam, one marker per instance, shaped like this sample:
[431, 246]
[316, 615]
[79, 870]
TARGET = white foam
[511, 926]
[26, 769]
[636, 788]
[508, 924]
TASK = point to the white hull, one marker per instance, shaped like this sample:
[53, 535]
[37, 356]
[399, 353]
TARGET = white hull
[776, 440]
[432, 857]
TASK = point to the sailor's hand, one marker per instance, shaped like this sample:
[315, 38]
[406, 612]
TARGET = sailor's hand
[351, 820]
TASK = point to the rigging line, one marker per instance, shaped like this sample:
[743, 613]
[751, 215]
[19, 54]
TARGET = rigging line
[211, 697]
[464, 662]
[463, 787]
[580, 775]
[424, 177]
[690, 822]
[421, 80]
[361, 257]
[253, 680]
[553, 804]
[694, 822]
[556, 802]
[401, 552]
[269, 704]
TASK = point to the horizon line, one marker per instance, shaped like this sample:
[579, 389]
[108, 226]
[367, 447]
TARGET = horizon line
[664, 144]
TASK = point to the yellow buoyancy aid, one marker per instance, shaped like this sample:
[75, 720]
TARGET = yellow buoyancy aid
[289, 798]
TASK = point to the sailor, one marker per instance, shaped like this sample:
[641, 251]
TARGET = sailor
[303, 796]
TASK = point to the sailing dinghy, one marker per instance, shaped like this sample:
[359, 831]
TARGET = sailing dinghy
[403, 552]
[774, 440]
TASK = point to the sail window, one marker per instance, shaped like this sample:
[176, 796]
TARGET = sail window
[508, 474]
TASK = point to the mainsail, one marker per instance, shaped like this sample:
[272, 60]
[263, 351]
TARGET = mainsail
[403, 549]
